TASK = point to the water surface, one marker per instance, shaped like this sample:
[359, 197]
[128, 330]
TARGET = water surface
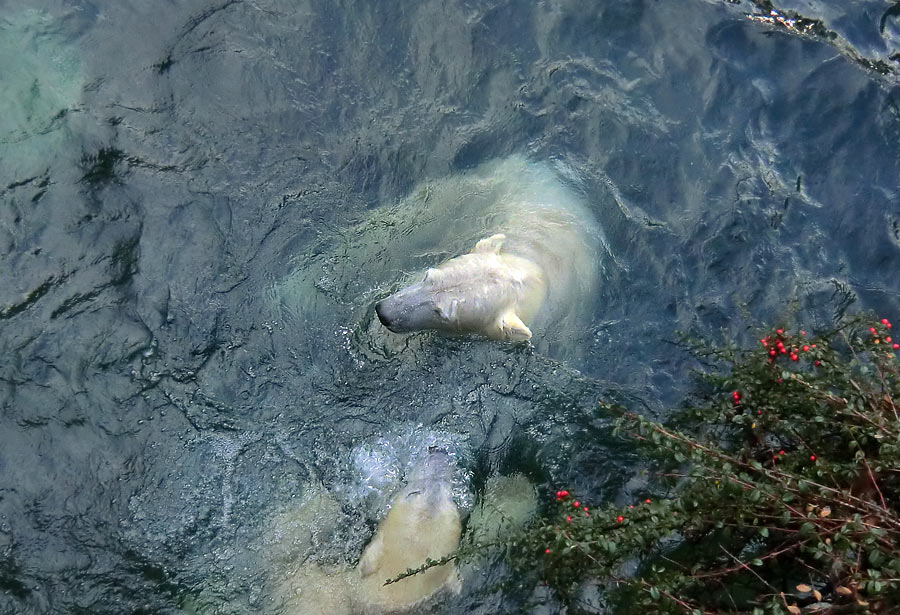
[165, 166]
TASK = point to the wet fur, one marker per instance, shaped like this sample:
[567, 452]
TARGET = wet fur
[537, 269]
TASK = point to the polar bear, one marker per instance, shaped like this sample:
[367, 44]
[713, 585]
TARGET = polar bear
[550, 254]
[423, 523]
[535, 265]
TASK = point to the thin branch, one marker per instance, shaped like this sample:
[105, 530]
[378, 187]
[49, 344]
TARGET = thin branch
[748, 569]
[741, 565]
[874, 483]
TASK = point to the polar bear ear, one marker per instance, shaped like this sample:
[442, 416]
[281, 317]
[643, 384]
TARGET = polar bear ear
[433, 276]
[490, 245]
[513, 328]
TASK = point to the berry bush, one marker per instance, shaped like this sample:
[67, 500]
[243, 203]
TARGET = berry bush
[776, 489]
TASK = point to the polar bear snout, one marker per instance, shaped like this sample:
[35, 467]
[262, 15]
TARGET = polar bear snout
[409, 309]
[382, 316]
[391, 316]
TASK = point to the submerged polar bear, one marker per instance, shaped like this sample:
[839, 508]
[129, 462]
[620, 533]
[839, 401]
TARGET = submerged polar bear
[535, 264]
[423, 523]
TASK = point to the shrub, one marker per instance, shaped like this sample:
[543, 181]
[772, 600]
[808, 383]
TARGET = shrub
[775, 491]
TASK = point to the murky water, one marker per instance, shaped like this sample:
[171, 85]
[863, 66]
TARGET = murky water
[166, 168]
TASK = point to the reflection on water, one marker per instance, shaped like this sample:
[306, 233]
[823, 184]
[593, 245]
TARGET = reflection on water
[165, 169]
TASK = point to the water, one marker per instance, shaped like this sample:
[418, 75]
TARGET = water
[164, 167]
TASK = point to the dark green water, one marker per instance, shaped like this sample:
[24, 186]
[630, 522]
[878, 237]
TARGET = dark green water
[164, 166]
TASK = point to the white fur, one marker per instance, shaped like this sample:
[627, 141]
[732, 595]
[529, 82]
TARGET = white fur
[535, 264]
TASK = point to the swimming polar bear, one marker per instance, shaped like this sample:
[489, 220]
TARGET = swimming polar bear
[423, 523]
[537, 207]
[536, 266]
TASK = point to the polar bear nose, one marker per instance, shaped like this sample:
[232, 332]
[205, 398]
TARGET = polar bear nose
[384, 320]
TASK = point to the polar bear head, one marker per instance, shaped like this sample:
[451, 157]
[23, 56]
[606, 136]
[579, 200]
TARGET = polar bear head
[485, 292]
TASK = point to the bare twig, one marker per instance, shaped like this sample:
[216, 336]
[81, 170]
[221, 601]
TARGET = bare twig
[748, 569]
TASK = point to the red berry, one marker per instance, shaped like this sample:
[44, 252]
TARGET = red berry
[803, 333]
[772, 352]
[813, 345]
[546, 550]
[887, 338]
[818, 363]
[872, 330]
[896, 346]
[647, 501]
[576, 504]
[779, 331]
[884, 321]
[805, 348]
[793, 357]
[569, 519]
[620, 518]
[781, 452]
[812, 457]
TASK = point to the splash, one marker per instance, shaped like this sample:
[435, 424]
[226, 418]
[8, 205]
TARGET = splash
[376, 469]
